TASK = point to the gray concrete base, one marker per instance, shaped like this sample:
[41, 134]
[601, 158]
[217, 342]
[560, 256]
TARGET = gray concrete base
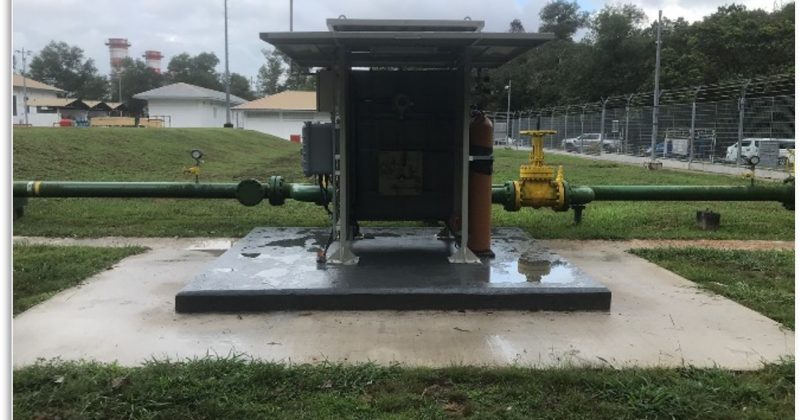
[399, 268]
[127, 314]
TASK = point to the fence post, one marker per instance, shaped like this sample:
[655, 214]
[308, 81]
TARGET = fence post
[691, 130]
[603, 101]
[626, 136]
[580, 144]
[741, 123]
[566, 120]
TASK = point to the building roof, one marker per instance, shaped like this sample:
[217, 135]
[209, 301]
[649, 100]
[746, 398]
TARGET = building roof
[98, 105]
[288, 100]
[58, 103]
[115, 105]
[186, 91]
[33, 84]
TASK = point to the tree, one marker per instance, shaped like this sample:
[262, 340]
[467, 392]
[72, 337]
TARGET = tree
[199, 70]
[240, 87]
[63, 66]
[269, 75]
[563, 18]
[136, 78]
[516, 26]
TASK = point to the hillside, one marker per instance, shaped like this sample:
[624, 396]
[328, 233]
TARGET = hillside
[122, 154]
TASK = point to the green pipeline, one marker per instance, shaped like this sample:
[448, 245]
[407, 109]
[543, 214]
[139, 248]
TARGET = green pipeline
[248, 192]
[579, 195]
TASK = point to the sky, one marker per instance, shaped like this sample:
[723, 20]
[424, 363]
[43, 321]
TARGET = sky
[194, 26]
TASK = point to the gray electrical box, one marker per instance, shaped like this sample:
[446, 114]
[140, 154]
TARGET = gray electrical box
[318, 148]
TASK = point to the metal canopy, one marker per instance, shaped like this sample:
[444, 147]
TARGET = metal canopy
[395, 25]
[404, 48]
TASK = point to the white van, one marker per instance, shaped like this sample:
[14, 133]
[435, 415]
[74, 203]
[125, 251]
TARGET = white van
[750, 149]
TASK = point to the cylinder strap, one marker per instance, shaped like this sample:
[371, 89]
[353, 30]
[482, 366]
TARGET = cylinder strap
[481, 159]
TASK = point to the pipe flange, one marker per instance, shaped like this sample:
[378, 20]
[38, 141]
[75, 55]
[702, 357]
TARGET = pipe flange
[275, 191]
[249, 192]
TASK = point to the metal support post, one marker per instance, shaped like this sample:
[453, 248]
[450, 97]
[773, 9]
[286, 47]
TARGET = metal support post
[462, 254]
[626, 135]
[342, 249]
[656, 94]
[603, 101]
[227, 76]
[580, 143]
[741, 123]
[692, 135]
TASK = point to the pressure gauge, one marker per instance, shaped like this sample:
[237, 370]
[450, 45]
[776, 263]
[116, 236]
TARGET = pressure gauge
[197, 154]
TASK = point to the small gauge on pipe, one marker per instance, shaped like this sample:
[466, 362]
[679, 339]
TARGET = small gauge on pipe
[197, 154]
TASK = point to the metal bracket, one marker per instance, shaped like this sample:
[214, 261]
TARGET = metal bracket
[463, 255]
[342, 254]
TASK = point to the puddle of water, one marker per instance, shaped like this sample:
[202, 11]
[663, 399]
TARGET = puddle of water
[533, 271]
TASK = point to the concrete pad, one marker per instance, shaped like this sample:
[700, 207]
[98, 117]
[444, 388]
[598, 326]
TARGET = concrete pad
[657, 319]
[276, 269]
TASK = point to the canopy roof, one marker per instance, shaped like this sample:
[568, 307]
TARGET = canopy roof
[440, 44]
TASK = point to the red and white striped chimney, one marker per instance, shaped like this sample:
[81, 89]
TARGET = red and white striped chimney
[153, 60]
[118, 50]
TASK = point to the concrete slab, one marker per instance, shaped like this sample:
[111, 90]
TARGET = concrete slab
[657, 319]
[276, 269]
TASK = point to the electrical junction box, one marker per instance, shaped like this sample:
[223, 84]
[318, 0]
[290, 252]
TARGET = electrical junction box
[318, 148]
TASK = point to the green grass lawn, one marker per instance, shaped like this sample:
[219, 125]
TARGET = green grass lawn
[238, 389]
[40, 271]
[760, 280]
[161, 154]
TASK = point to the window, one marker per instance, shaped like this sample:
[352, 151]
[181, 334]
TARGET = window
[46, 110]
[14, 106]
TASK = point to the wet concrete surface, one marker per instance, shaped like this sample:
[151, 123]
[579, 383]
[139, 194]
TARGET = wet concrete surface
[399, 268]
[657, 319]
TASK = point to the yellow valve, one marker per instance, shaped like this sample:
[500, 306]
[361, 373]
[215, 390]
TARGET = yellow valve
[192, 170]
[539, 185]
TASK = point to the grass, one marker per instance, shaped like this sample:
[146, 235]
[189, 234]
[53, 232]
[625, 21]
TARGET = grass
[161, 154]
[761, 280]
[234, 388]
[41, 271]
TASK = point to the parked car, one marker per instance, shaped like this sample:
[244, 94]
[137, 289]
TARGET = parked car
[659, 149]
[750, 148]
[588, 140]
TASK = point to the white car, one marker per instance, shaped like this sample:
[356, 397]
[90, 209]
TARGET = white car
[750, 149]
[588, 140]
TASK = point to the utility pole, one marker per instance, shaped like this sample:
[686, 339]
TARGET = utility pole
[119, 82]
[656, 94]
[227, 75]
[291, 15]
[24, 53]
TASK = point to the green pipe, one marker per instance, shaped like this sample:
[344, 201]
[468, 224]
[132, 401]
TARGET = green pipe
[781, 193]
[249, 192]
[124, 189]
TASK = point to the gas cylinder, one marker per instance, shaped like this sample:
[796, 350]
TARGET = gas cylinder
[480, 185]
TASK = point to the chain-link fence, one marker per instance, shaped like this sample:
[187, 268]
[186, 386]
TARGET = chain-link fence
[736, 123]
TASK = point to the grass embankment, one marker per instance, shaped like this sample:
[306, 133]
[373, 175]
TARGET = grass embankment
[41, 271]
[236, 389]
[761, 280]
[231, 155]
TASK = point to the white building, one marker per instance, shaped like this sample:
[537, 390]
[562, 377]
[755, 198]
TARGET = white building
[185, 105]
[39, 115]
[281, 114]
